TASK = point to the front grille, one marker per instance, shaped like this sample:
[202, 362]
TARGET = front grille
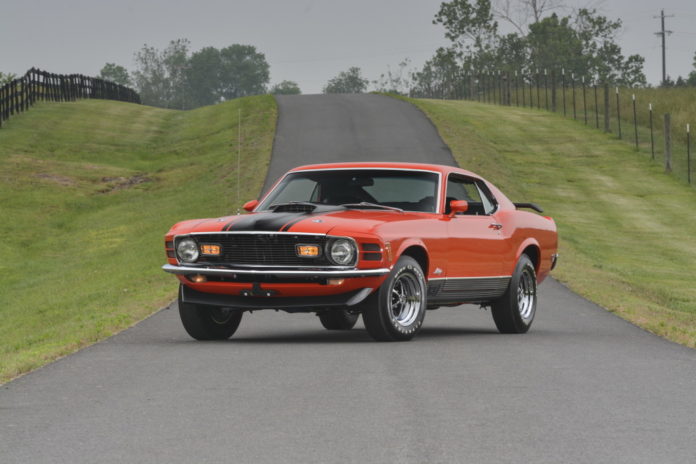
[262, 249]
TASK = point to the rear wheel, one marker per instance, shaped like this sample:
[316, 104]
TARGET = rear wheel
[396, 310]
[515, 310]
[338, 319]
[204, 322]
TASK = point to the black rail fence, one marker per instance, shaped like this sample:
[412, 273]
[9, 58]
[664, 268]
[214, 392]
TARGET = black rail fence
[585, 99]
[20, 94]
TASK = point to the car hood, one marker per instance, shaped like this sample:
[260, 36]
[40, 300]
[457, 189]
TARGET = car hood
[316, 222]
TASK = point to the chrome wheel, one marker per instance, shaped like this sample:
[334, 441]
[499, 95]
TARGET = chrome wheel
[395, 312]
[526, 295]
[406, 299]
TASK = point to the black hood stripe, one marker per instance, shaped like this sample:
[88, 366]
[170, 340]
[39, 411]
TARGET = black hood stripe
[269, 222]
[287, 226]
[272, 221]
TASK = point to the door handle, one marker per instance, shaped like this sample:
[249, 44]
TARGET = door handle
[495, 226]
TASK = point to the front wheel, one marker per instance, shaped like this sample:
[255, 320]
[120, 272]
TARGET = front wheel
[338, 319]
[396, 310]
[514, 311]
[204, 322]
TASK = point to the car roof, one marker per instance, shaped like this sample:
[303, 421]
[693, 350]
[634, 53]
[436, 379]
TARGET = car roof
[386, 165]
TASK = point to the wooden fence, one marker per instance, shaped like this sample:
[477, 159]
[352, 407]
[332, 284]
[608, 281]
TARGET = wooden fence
[20, 94]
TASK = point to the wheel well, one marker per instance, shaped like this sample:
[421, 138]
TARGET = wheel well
[420, 255]
[532, 251]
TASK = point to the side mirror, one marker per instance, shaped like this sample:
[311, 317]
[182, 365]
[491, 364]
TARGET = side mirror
[458, 206]
[250, 205]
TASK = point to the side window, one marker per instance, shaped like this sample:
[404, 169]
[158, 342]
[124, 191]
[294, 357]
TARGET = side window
[461, 188]
[487, 198]
[481, 201]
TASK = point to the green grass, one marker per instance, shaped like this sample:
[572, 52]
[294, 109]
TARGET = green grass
[87, 191]
[679, 102]
[626, 229]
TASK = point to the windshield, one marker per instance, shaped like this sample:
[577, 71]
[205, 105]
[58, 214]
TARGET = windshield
[407, 190]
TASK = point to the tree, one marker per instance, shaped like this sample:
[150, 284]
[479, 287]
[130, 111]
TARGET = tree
[691, 80]
[160, 76]
[203, 77]
[522, 13]
[6, 78]
[583, 43]
[350, 81]
[243, 71]
[472, 29]
[440, 77]
[395, 82]
[285, 88]
[115, 73]
[553, 43]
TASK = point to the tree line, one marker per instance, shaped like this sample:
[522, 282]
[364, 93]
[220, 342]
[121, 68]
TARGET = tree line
[520, 37]
[177, 78]
[582, 44]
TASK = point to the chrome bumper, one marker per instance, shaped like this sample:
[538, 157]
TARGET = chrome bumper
[275, 272]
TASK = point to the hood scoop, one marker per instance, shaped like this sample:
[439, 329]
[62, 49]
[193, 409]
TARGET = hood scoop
[304, 207]
[294, 208]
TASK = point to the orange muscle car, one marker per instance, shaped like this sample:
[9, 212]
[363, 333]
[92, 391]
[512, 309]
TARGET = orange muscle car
[385, 240]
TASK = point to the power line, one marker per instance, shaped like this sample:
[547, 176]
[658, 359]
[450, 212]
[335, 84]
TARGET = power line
[663, 33]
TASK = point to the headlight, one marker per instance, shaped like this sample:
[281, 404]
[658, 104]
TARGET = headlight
[342, 252]
[187, 250]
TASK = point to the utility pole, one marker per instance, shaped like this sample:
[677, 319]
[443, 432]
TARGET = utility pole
[663, 33]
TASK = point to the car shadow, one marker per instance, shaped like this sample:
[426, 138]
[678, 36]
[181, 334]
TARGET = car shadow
[350, 336]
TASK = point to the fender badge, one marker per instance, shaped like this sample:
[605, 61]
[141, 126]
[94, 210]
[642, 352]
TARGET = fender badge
[317, 220]
[437, 271]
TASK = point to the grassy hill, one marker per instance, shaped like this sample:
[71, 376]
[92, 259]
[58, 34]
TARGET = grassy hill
[87, 191]
[626, 229]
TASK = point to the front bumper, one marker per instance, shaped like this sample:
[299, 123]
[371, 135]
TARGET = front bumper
[290, 304]
[213, 271]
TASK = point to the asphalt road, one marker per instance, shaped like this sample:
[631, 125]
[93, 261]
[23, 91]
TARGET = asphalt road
[582, 387]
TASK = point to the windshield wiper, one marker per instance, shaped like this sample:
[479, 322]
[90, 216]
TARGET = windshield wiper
[367, 204]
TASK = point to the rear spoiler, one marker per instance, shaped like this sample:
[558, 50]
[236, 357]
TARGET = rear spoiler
[533, 206]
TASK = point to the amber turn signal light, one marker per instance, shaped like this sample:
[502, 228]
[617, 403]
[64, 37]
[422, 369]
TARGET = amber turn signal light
[307, 251]
[210, 249]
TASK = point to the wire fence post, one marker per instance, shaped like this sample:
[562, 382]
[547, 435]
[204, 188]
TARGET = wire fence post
[564, 90]
[607, 127]
[618, 111]
[496, 78]
[488, 86]
[572, 84]
[668, 143]
[538, 89]
[531, 84]
[584, 99]
[652, 137]
[524, 100]
[546, 88]
[553, 91]
[688, 152]
[517, 89]
[635, 120]
[508, 95]
[596, 106]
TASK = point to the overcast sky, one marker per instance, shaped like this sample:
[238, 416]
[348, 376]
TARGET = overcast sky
[307, 41]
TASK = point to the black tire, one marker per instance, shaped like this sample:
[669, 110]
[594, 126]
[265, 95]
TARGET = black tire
[513, 313]
[204, 322]
[396, 310]
[337, 319]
